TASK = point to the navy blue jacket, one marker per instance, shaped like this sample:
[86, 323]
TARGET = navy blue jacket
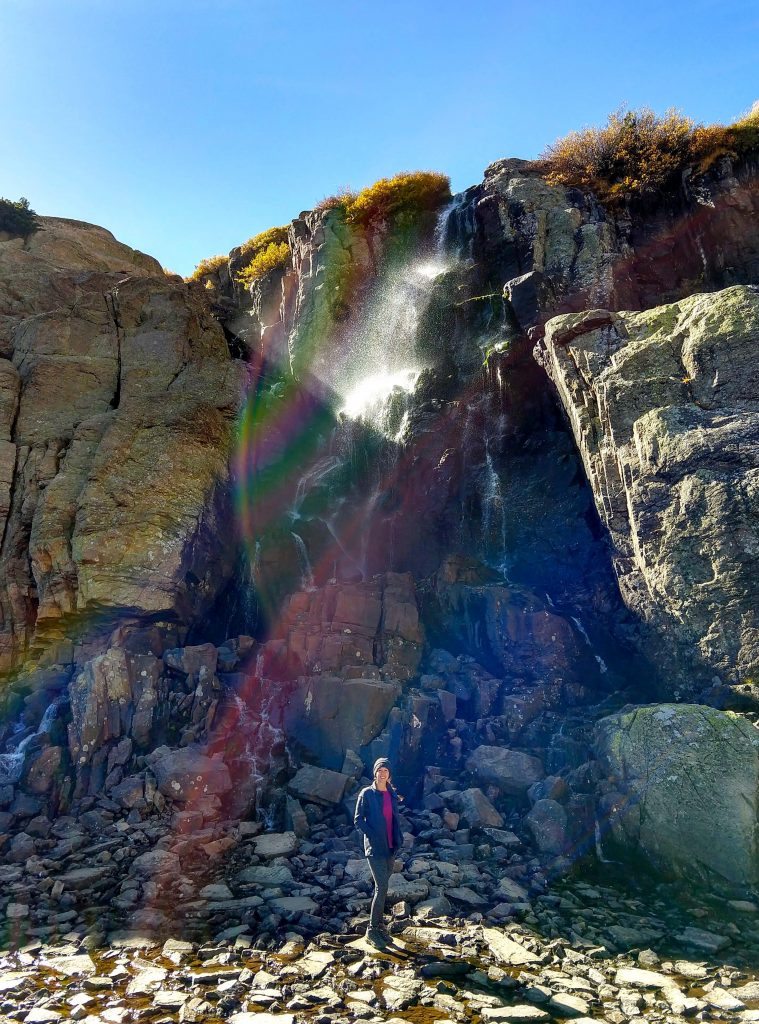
[370, 821]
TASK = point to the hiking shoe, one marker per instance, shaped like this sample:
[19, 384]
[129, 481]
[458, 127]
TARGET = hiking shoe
[376, 937]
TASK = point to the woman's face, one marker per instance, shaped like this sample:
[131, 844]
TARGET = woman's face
[383, 775]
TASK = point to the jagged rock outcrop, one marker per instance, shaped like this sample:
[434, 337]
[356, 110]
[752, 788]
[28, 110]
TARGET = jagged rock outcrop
[684, 790]
[664, 409]
[117, 403]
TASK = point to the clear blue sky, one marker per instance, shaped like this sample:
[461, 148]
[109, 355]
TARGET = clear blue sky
[185, 127]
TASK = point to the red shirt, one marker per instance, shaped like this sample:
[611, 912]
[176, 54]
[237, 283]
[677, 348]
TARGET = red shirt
[387, 810]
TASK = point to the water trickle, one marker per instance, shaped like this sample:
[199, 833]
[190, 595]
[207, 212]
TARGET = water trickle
[603, 667]
[307, 575]
[312, 478]
[12, 761]
[259, 735]
[493, 512]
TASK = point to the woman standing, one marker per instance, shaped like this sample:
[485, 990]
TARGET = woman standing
[376, 818]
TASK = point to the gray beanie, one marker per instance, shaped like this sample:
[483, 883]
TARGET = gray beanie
[381, 762]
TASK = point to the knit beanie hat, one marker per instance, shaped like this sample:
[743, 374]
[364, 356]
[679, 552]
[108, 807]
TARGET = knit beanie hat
[381, 762]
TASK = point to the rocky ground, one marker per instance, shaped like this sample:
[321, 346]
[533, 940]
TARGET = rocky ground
[231, 922]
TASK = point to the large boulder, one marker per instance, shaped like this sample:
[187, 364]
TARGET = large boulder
[685, 790]
[113, 696]
[118, 398]
[664, 406]
[326, 716]
[511, 770]
[188, 774]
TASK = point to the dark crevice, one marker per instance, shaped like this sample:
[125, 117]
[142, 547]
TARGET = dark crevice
[112, 304]
[238, 347]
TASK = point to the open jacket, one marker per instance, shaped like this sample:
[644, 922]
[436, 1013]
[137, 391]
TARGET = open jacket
[370, 821]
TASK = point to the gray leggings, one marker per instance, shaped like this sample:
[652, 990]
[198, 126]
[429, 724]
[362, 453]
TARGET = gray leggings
[381, 869]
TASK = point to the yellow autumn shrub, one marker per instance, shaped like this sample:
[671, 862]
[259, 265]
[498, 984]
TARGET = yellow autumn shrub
[637, 151]
[409, 191]
[276, 254]
[207, 266]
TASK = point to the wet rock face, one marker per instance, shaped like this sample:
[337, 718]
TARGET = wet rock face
[683, 790]
[348, 626]
[663, 405]
[117, 399]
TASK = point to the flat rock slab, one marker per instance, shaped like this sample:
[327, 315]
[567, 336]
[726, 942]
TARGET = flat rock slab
[70, 965]
[262, 1018]
[463, 894]
[294, 905]
[699, 938]
[522, 1013]
[401, 888]
[635, 977]
[567, 1005]
[275, 844]
[397, 950]
[82, 878]
[319, 785]
[315, 962]
[42, 1015]
[10, 980]
[156, 862]
[506, 950]
[147, 981]
[269, 876]
[170, 999]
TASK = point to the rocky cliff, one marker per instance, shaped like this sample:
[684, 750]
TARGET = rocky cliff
[119, 402]
[429, 489]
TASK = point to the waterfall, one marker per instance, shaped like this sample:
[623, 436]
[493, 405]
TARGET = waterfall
[380, 367]
[12, 761]
[307, 575]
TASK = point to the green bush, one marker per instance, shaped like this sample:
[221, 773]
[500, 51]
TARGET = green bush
[18, 218]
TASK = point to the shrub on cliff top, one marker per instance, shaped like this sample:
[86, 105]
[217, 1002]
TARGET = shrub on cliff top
[206, 267]
[256, 244]
[18, 218]
[407, 192]
[637, 151]
[263, 252]
[274, 255]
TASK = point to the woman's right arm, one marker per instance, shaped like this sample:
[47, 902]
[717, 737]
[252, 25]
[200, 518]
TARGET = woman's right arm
[359, 817]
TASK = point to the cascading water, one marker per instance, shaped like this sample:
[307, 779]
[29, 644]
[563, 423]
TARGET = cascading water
[374, 376]
[493, 512]
[602, 666]
[307, 574]
[12, 761]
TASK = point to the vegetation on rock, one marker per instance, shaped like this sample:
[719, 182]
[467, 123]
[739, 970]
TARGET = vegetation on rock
[407, 192]
[206, 267]
[638, 152]
[262, 253]
[18, 218]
